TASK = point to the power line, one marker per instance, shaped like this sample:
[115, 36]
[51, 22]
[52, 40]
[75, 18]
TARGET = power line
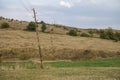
[27, 8]
[30, 6]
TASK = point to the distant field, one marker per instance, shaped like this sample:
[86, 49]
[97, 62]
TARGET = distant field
[107, 69]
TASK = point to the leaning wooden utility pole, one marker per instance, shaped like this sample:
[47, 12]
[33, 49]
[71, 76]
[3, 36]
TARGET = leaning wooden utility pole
[38, 40]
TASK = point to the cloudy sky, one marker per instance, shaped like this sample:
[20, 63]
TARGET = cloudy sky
[76, 13]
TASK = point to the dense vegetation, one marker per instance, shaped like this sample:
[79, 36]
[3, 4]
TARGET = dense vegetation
[31, 26]
[43, 27]
[109, 34]
[5, 25]
[72, 33]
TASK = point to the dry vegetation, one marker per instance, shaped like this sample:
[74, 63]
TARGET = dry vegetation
[18, 42]
[15, 42]
[14, 24]
[62, 74]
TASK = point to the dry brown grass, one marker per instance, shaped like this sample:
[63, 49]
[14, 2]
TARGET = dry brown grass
[24, 39]
[65, 47]
[17, 43]
[15, 24]
[61, 74]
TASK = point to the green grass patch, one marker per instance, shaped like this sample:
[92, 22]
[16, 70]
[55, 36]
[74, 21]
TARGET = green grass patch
[113, 62]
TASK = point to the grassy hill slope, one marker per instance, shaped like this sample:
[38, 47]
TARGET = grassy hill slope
[18, 43]
[15, 42]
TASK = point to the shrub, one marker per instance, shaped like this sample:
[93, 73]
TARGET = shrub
[91, 32]
[5, 25]
[85, 35]
[109, 34]
[72, 33]
[43, 28]
[117, 36]
[31, 26]
[103, 34]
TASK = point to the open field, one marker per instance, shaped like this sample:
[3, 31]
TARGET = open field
[109, 70]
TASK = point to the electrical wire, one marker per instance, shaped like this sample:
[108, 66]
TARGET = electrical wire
[28, 7]
[24, 6]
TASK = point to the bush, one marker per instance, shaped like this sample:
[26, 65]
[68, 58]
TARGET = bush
[72, 33]
[43, 28]
[85, 35]
[5, 25]
[31, 26]
[103, 34]
[91, 32]
[117, 36]
[109, 34]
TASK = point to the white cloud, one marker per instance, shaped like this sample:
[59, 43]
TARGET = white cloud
[66, 4]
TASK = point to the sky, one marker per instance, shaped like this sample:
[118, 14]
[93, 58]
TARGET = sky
[76, 13]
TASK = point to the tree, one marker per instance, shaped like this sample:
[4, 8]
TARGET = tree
[31, 26]
[5, 25]
[42, 22]
[43, 28]
[72, 33]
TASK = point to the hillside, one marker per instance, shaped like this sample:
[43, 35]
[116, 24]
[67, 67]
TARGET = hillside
[15, 43]
[23, 42]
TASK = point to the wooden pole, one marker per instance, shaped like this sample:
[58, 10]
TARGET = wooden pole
[38, 40]
[0, 57]
[52, 46]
